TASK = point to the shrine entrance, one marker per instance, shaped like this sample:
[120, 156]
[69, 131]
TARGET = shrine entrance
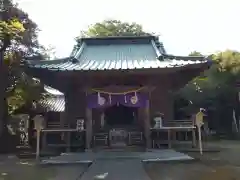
[120, 116]
[119, 122]
[120, 119]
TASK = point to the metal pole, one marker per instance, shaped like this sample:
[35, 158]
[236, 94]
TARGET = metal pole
[38, 145]
[200, 140]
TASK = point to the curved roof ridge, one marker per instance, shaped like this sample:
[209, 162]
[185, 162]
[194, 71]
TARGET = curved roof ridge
[117, 37]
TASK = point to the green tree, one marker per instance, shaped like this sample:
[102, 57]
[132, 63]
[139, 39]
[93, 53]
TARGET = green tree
[114, 28]
[195, 53]
[18, 36]
[216, 90]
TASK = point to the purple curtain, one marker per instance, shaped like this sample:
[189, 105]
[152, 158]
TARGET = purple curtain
[130, 100]
[106, 101]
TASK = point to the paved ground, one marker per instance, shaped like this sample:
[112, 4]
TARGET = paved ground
[122, 169]
[69, 172]
[109, 165]
[223, 165]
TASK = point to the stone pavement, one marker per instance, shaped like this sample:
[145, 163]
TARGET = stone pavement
[121, 169]
[69, 172]
[88, 157]
[109, 165]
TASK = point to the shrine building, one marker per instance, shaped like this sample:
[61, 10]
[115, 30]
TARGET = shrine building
[117, 83]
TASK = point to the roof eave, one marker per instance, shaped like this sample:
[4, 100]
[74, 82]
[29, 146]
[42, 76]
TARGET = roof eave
[179, 66]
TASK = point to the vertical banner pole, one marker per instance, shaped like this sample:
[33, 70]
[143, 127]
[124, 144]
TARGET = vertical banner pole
[199, 124]
[200, 140]
[38, 125]
[38, 145]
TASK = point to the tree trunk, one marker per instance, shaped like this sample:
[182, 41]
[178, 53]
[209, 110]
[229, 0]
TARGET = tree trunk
[3, 107]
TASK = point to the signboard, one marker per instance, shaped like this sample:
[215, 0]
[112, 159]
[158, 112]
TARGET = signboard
[80, 124]
[199, 119]
[38, 122]
[38, 125]
[199, 123]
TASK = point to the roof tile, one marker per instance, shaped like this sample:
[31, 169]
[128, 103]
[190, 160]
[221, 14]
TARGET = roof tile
[100, 56]
[55, 103]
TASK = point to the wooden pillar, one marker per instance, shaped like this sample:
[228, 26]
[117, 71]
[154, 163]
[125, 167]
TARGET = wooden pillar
[162, 101]
[67, 119]
[140, 117]
[62, 120]
[88, 128]
[147, 125]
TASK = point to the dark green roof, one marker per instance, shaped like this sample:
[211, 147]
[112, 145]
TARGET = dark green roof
[107, 53]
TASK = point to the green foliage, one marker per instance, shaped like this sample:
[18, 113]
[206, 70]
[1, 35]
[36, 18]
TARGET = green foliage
[195, 53]
[11, 28]
[26, 91]
[114, 28]
[229, 61]
[18, 35]
[215, 88]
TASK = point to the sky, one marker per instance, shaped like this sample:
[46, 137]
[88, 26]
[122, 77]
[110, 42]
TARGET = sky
[183, 25]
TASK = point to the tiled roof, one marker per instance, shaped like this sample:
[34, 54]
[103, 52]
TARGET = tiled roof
[55, 103]
[118, 53]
